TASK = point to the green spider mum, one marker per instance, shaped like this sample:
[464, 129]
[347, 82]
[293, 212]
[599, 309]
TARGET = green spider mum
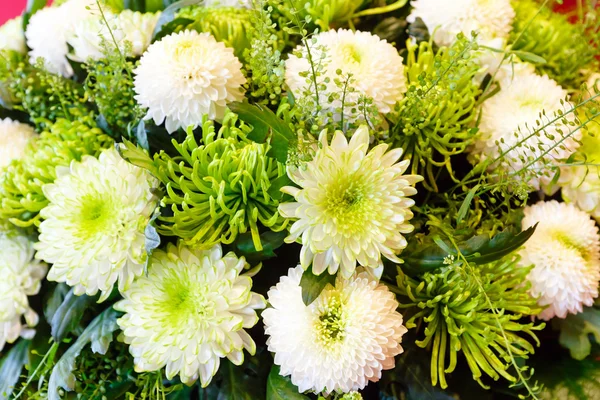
[455, 304]
[217, 189]
[565, 46]
[21, 195]
[435, 116]
[232, 26]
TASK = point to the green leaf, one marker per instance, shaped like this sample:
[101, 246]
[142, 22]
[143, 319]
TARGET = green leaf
[31, 8]
[281, 387]
[237, 385]
[169, 14]
[464, 207]
[276, 185]
[529, 57]
[100, 334]
[479, 249]
[576, 329]
[55, 299]
[141, 136]
[312, 285]
[68, 315]
[271, 241]
[565, 378]
[152, 237]
[266, 126]
[11, 367]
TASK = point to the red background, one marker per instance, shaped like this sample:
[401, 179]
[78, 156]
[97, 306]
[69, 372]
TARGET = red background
[12, 8]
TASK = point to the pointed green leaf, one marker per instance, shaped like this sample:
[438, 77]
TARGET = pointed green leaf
[11, 367]
[281, 387]
[68, 315]
[312, 285]
[576, 329]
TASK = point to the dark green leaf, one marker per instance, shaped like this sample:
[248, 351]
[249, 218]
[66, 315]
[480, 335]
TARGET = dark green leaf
[68, 316]
[391, 29]
[277, 184]
[529, 57]
[567, 379]
[141, 136]
[55, 299]
[266, 126]
[135, 5]
[237, 385]
[271, 241]
[418, 30]
[576, 329]
[31, 8]
[11, 367]
[178, 24]
[479, 249]
[312, 285]
[99, 333]
[169, 14]
[281, 387]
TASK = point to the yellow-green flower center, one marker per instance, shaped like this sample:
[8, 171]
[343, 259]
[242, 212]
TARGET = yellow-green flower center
[348, 204]
[331, 323]
[95, 215]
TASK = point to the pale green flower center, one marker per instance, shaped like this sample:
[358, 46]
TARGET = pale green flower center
[347, 203]
[96, 214]
[351, 54]
[331, 323]
[568, 242]
[184, 299]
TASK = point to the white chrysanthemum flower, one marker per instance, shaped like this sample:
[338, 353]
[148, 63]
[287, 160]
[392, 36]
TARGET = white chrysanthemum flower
[508, 127]
[376, 67]
[186, 76]
[190, 311]
[14, 138]
[21, 277]
[581, 184]
[341, 341]
[351, 205]
[565, 253]
[446, 19]
[88, 35]
[12, 36]
[48, 30]
[93, 228]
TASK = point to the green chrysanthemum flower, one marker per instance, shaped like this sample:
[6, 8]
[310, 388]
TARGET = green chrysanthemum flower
[551, 36]
[21, 195]
[93, 231]
[217, 189]
[435, 116]
[455, 306]
[191, 310]
[230, 25]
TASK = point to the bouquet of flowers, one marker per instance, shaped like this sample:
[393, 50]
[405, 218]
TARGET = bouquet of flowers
[300, 199]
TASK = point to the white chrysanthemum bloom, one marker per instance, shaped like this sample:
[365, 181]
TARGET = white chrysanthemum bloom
[581, 184]
[48, 30]
[21, 277]
[376, 67]
[93, 228]
[190, 311]
[508, 127]
[565, 253]
[446, 19]
[186, 76]
[88, 35]
[351, 205]
[14, 138]
[341, 341]
[12, 36]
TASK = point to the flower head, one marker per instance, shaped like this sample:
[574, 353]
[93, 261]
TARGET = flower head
[341, 341]
[190, 311]
[351, 205]
[48, 30]
[565, 253]
[186, 76]
[12, 36]
[375, 67]
[446, 19]
[21, 277]
[14, 138]
[510, 132]
[93, 232]
[90, 38]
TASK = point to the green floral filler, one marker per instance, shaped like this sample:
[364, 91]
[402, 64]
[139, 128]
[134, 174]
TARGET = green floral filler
[217, 189]
[21, 192]
[455, 305]
[435, 116]
[565, 46]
